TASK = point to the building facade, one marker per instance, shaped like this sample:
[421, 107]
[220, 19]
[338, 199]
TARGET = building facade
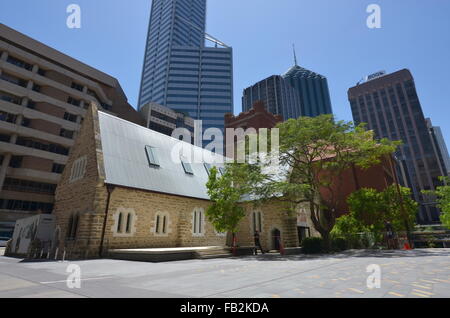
[278, 96]
[165, 120]
[44, 95]
[299, 92]
[390, 106]
[438, 137]
[124, 191]
[257, 117]
[180, 71]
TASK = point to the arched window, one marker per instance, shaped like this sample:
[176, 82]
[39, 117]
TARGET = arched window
[161, 223]
[198, 222]
[125, 221]
[157, 224]
[164, 224]
[129, 219]
[72, 226]
[75, 226]
[69, 227]
[119, 223]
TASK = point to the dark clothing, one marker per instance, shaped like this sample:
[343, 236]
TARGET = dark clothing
[257, 244]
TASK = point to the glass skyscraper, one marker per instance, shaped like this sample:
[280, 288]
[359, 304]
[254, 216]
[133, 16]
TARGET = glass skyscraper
[312, 89]
[390, 106]
[299, 92]
[180, 71]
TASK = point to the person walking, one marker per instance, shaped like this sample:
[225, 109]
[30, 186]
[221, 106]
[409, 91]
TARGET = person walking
[257, 243]
[390, 235]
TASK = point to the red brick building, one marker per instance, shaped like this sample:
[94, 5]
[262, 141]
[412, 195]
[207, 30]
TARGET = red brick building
[377, 177]
[257, 117]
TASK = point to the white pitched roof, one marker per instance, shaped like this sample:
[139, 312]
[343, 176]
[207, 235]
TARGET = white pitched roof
[126, 162]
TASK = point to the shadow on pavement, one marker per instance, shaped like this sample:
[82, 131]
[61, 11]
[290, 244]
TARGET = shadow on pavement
[350, 254]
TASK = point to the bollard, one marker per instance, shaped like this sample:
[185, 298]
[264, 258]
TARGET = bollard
[56, 253]
[64, 255]
[42, 252]
[48, 253]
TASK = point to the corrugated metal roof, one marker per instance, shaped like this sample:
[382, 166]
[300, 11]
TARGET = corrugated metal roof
[126, 162]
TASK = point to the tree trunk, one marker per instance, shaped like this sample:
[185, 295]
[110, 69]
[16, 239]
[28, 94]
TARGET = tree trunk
[326, 241]
[233, 244]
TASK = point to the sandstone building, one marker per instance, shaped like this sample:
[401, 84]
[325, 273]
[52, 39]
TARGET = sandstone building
[44, 95]
[123, 189]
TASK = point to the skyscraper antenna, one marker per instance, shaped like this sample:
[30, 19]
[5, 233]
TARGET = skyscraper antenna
[295, 55]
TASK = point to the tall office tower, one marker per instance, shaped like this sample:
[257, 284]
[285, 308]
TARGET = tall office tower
[389, 104]
[180, 71]
[278, 96]
[438, 137]
[44, 95]
[299, 92]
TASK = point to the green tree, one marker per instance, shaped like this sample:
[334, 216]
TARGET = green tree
[399, 207]
[373, 209]
[227, 191]
[316, 151]
[443, 198]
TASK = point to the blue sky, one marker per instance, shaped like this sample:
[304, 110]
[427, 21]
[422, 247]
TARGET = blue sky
[331, 38]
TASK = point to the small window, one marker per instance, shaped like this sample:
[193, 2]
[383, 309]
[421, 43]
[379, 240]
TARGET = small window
[72, 227]
[119, 223]
[152, 156]
[187, 167]
[164, 224]
[208, 168]
[57, 168]
[78, 169]
[161, 224]
[129, 219]
[124, 225]
[157, 223]
[197, 222]
[77, 86]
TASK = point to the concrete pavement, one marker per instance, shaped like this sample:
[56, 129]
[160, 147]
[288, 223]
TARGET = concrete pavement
[421, 273]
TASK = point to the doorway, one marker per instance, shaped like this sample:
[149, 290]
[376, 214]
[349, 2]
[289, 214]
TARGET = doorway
[276, 237]
[303, 232]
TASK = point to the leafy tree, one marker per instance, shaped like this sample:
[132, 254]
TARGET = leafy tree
[366, 206]
[348, 224]
[226, 192]
[400, 210]
[373, 209]
[443, 198]
[316, 152]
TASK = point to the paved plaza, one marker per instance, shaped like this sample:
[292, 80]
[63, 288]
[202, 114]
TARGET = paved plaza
[421, 273]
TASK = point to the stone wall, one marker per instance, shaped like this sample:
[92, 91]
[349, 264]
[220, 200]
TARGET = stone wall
[86, 197]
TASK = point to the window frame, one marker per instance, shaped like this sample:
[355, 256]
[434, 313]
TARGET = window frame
[152, 156]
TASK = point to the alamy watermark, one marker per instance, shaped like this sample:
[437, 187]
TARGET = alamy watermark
[374, 19]
[74, 19]
[74, 278]
[374, 279]
[237, 145]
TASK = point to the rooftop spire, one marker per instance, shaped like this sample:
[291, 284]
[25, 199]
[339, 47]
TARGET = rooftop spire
[295, 55]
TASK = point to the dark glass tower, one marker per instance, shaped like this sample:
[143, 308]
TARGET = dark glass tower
[179, 71]
[299, 92]
[391, 108]
[312, 89]
[277, 94]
